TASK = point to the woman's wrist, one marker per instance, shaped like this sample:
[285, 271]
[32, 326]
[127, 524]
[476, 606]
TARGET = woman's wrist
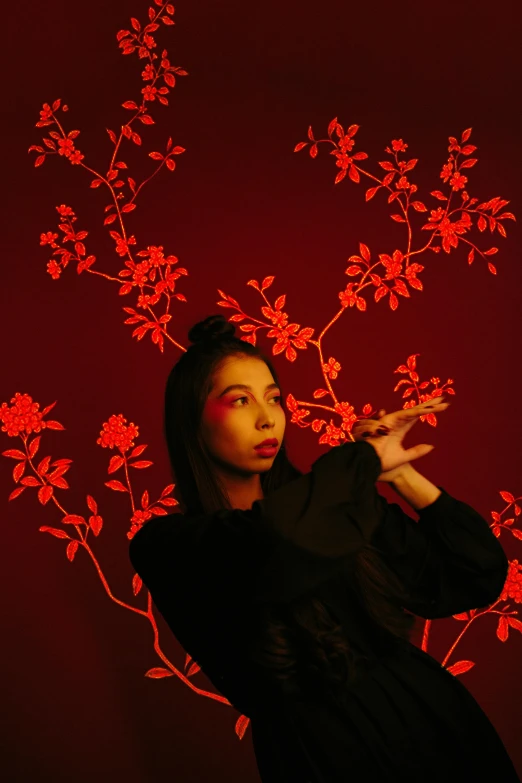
[414, 488]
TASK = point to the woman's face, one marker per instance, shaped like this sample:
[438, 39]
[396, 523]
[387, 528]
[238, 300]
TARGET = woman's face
[235, 420]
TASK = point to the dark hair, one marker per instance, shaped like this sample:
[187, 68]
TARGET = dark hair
[301, 642]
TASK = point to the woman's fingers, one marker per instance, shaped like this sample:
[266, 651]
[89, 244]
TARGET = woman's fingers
[415, 452]
[436, 404]
[377, 426]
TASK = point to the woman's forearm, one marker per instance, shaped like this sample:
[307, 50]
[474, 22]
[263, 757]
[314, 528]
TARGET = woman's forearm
[414, 488]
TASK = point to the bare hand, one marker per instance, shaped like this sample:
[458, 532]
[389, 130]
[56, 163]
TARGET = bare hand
[386, 433]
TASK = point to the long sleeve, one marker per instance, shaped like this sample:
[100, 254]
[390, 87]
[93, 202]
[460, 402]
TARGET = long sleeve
[285, 545]
[449, 561]
[206, 573]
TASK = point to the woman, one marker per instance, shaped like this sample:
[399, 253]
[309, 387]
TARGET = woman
[298, 594]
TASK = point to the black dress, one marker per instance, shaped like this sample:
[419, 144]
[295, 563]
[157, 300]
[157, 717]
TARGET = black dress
[406, 718]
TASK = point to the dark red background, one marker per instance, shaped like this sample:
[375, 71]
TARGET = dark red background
[240, 205]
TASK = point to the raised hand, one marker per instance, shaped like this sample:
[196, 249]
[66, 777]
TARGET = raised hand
[387, 432]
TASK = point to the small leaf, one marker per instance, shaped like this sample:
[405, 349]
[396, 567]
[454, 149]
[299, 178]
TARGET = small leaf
[370, 193]
[71, 550]
[158, 672]
[460, 667]
[53, 531]
[73, 519]
[502, 628]
[364, 251]
[116, 485]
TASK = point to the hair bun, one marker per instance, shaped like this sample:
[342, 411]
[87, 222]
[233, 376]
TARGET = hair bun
[213, 328]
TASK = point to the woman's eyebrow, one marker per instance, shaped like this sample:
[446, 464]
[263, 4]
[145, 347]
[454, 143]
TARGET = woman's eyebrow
[244, 386]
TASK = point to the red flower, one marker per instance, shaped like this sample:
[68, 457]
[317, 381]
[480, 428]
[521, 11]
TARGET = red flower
[149, 93]
[66, 146]
[45, 113]
[458, 181]
[447, 171]
[398, 145]
[63, 210]
[346, 143]
[23, 417]
[76, 156]
[436, 215]
[116, 434]
[48, 239]
[54, 269]
[148, 73]
[331, 368]
[513, 585]
[393, 264]
[448, 231]
[143, 300]
[343, 161]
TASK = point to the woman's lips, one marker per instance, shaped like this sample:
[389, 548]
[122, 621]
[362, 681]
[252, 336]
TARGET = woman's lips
[266, 451]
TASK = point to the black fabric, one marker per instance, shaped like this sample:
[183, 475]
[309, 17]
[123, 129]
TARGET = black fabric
[407, 718]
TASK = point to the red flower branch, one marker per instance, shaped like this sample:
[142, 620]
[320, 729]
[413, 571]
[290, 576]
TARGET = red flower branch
[152, 274]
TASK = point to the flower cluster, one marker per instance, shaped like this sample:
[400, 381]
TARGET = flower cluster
[117, 434]
[23, 417]
[513, 585]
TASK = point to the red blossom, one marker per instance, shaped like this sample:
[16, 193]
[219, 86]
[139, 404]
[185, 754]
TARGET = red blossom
[148, 73]
[45, 113]
[66, 146]
[448, 231]
[76, 156]
[447, 171]
[48, 239]
[139, 517]
[436, 215]
[331, 368]
[116, 435]
[458, 181]
[144, 300]
[140, 273]
[399, 146]
[54, 269]
[122, 246]
[149, 93]
[393, 264]
[348, 297]
[346, 411]
[23, 417]
[513, 585]
[343, 161]
[63, 210]
[346, 143]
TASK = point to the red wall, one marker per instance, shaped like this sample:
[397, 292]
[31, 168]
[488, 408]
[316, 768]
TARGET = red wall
[240, 205]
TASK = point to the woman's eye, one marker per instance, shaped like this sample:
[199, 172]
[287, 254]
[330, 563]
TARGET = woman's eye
[278, 397]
